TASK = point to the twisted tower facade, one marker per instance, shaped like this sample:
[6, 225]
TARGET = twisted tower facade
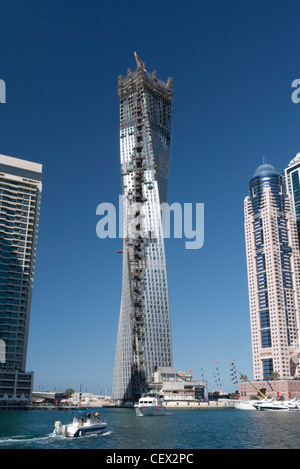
[144, 333]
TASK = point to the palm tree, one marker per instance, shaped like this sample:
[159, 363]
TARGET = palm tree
[69, 392]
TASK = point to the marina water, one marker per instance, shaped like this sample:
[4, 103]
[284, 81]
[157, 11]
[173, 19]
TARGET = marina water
[177, 429]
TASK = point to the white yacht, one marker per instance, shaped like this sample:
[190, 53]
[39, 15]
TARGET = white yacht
[246, 405]
[150, 404]
[277, 406]
[83, 423]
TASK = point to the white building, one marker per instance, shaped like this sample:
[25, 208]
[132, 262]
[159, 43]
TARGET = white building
[178, 385]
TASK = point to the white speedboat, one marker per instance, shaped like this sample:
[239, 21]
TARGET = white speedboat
[83, 423]
[279, 406]
[150, 404]
[246, 405]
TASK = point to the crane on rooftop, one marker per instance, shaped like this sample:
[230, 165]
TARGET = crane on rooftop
[139, 62]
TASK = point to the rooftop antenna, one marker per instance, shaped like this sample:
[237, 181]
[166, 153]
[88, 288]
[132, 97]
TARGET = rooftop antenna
[264, 159]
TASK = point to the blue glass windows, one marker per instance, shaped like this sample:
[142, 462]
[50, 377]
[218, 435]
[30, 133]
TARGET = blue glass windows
[268, 367]
[266, 341]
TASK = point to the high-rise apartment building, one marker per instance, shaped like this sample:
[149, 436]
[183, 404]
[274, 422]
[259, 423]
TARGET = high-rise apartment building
[144, 333]
[273, 264]
[292, 186]
[20, 196]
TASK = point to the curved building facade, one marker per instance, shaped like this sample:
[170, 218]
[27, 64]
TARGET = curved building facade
[292, 185]
[144, 332]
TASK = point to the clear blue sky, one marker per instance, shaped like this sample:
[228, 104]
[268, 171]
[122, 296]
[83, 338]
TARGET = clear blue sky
[232, 64]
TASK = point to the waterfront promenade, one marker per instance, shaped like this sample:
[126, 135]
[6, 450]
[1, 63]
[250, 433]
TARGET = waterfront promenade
[184, 405]
[222, 404]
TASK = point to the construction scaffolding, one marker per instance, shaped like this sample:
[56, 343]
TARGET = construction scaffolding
[135, 122]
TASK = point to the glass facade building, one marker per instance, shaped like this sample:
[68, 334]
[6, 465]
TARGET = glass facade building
[292, 186]
[273, 274]
[20, 195]
[144, 332]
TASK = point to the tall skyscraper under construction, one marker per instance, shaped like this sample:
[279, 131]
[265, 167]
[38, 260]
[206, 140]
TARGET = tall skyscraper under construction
[144, 333]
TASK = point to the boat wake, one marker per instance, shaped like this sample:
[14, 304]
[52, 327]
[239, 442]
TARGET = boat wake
[85, 437]
[20, 440]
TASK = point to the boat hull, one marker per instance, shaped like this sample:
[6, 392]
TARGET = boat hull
[244, 406]
[72, 431]
[90, 431]
[143, 411]
[270, 408]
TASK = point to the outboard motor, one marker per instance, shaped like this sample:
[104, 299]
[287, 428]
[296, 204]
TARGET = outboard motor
[58, 428]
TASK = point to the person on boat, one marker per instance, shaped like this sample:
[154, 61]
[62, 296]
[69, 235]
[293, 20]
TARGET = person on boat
[97, 415]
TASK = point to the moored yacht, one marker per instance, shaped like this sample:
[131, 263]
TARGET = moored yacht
[279, 406]
[246, 405]
[150, 404]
